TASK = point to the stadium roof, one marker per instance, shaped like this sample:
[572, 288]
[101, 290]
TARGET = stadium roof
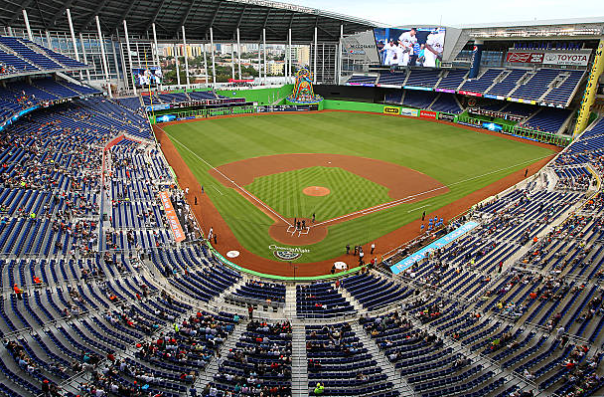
[225, 16]
[543, 22]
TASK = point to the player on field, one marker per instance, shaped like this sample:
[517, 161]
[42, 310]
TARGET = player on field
[407, 40]
[434, 49]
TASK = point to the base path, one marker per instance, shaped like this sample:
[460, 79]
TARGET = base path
[402, 182]
[209, 216]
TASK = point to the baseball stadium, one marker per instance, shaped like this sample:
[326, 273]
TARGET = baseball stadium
[256, 198]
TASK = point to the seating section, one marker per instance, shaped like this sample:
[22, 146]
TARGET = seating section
[373, 292]
[18, 55]
[262, 291]
[538, 84]
[548, 120]
[446, 103]
[392, 78]
[260, 362]
[453, 79]
[339, 361]
[562, 94]
[423, 78]
[483, 82]
[419, 99]
[321, 300]
[357, 79]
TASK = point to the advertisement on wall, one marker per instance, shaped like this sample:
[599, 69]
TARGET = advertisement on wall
[409, 112]
[566, 59]
[446, 117]
[391, 110]
[165, 118]
[179, 234]
[492, 127]
[427, 114]
[470, 93]
[524, 57]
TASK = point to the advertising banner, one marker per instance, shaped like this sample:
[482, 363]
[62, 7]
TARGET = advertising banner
[179, 234]
[524, 57]
[475, 61]
[427, 114]
[411, 87]
[446, 117]
[440, 243]
[446, 91]
[492, 127]
[391, 110]
[470, 93]
[408, 112]
[567, 59]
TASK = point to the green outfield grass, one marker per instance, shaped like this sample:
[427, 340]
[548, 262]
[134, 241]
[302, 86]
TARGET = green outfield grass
[348, 192]
[463, 160]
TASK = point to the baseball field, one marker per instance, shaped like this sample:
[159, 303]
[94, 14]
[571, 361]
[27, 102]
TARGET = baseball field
[362, 176]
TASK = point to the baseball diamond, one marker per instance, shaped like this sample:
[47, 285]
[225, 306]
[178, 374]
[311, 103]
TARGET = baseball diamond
[253, 170]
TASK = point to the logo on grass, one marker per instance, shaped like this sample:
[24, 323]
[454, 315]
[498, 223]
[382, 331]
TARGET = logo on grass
[288, 253]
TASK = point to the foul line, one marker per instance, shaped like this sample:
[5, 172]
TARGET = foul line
[394, 203]
[230, 180]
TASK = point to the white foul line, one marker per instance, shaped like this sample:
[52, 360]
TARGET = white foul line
[394, 203]
[230, 180]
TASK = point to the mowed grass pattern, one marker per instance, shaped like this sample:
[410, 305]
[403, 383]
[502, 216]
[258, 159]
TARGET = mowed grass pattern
[348, 192]
[463, 160]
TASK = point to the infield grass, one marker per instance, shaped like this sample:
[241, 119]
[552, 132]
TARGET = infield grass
[463, 160]
[348, 192]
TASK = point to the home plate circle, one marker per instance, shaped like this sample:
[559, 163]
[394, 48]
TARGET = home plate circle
[316, 191]
[233, 254]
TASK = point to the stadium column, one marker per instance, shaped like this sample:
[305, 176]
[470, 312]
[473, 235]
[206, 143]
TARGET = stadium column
[590, 90]
[156, 52]
[177, 65]
[213, 57]
[131, 78]
[117, 69]
[259, 64]
[84, 56]
[239, 53]
[233, 60]
[314, 68]
[26, 19]
[184, 43]
[289, 53]
[102, 45]
[205, 63]
[48, 40]
[264, 52]
[73, 39]
[340, 51]
[122, 59]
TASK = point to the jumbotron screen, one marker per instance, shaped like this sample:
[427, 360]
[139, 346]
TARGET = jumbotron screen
[144, 77]
[410, 47]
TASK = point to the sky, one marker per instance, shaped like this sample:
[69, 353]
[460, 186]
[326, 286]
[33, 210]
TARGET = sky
[458, 12]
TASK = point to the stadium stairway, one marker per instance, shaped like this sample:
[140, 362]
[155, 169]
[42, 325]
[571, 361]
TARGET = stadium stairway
[400, 384]
[207, 375]
[291, 302]
[352, 300]
[299, 358]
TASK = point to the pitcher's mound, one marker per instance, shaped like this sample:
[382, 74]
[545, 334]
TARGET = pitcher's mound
[316, 191]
